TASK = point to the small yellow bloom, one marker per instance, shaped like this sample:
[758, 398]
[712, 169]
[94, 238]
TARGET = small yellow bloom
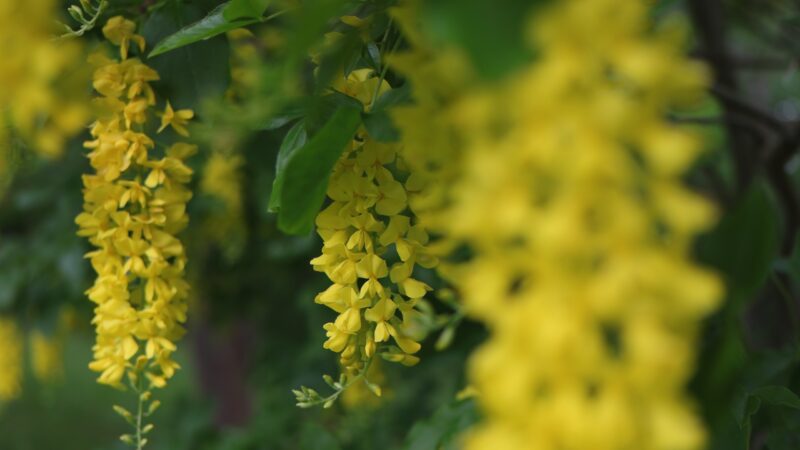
[176, 119]
[120, 31]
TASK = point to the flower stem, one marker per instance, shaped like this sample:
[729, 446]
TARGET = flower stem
[139, 413]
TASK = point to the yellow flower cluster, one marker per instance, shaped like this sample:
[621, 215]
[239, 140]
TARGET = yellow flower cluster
[40, 80]
[569, 196]
[432, 142]
[365, 225]
[10, 359]
[46, 356]
[134, 205]
[47, 348]
[244, 54]
[222, 179]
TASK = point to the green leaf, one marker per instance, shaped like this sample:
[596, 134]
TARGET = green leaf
[791, 264]
[778, 396]
[295, 138]
[305, 177]
[213, 24]
[380, 127]
[441, 431]
[321, 108]
[249, 9]
[285, 116]
[307, 24]
[339, 60]
[190, 74]
[744, 243]
[491, 35]
[374, 55]
[773, 395]
[396, 96]
[315, 437]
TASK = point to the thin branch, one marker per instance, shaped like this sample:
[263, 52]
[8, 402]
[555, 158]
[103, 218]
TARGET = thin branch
[708, 19]
[732, 100]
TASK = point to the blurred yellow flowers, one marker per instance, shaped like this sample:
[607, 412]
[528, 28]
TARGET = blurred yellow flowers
[42, 81]
[10, 359]
[566, 187]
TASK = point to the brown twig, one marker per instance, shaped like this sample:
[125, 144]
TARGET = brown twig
[708, 19]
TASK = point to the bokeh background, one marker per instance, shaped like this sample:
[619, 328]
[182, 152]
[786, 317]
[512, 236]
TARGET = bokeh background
[254, 332]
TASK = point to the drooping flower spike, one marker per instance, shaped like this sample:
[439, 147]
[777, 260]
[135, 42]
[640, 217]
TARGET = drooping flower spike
[134, 206]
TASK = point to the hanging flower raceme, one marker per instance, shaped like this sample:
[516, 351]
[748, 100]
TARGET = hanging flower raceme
[10, 359]
[47, 362]
[134, 206]
[46, 348]
[568, 194]
[41, 80]
[366, 226]
[222, 179]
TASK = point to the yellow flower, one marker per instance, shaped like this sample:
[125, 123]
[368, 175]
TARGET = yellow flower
[120, 31]
[10, 359]
[176, 119]
[361, 84]
[223, 179]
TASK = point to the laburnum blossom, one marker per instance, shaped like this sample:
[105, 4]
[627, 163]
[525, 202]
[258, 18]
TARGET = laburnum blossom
[134, 206]
[367, 221]
[10, 359]
[565, 185]
[121, 32]
[176, 119]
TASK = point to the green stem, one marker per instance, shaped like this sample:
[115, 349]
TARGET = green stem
[361, 375]
[139, 414]
[274, 15]
[88, 25]
[788, 301]
[385, 66]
